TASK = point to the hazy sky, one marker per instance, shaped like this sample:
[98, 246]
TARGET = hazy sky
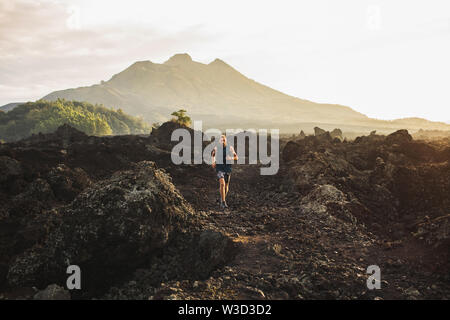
[387, 59]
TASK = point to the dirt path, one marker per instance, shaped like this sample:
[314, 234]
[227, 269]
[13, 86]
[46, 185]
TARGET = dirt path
[286, 253]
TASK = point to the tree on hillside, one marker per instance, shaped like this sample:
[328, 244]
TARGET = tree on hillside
[46, 116]
[181, 118]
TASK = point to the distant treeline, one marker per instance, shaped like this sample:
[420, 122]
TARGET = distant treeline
[46, 116]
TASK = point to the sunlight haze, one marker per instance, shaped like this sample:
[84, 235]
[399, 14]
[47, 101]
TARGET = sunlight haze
[385, 59]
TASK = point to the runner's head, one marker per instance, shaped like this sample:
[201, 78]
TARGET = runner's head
[223, 140]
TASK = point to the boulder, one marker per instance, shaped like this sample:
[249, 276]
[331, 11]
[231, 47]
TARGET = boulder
[161, 137]
[318, 131]
[111, 227]
[399, 137]
[337, 134]
[67, 183]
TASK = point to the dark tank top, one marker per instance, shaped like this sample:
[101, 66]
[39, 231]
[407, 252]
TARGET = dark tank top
[224, 166]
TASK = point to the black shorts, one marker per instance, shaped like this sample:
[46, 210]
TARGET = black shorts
[224, 175]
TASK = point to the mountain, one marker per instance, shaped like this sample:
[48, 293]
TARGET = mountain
[220, 96]
[10, 106]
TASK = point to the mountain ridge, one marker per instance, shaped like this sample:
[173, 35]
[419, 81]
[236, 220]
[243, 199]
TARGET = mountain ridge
[10, 106]
[219, 95]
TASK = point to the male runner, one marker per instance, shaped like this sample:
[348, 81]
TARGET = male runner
[223, 168]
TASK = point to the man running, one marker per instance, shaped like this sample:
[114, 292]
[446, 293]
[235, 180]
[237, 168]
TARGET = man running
[223, 168]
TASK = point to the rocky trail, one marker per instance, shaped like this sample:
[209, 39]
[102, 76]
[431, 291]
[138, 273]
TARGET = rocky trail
[143, 228]
[286, 253]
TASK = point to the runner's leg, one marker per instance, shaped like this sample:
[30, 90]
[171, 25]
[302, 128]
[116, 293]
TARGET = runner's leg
[227, 184]
[222, 189]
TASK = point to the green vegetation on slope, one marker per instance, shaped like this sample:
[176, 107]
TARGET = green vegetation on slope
[181, 117]
[45, 116]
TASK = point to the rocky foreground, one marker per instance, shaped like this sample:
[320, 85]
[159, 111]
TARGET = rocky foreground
[142, 228]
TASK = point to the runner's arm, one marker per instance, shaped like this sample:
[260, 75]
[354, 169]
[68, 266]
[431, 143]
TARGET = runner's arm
[235, 156]
[213, 158]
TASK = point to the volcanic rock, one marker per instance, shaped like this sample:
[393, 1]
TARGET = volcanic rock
[52, 292]
[399, 137]
[9, 168]
[337, 134]
[113, 226]
[318, 131]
